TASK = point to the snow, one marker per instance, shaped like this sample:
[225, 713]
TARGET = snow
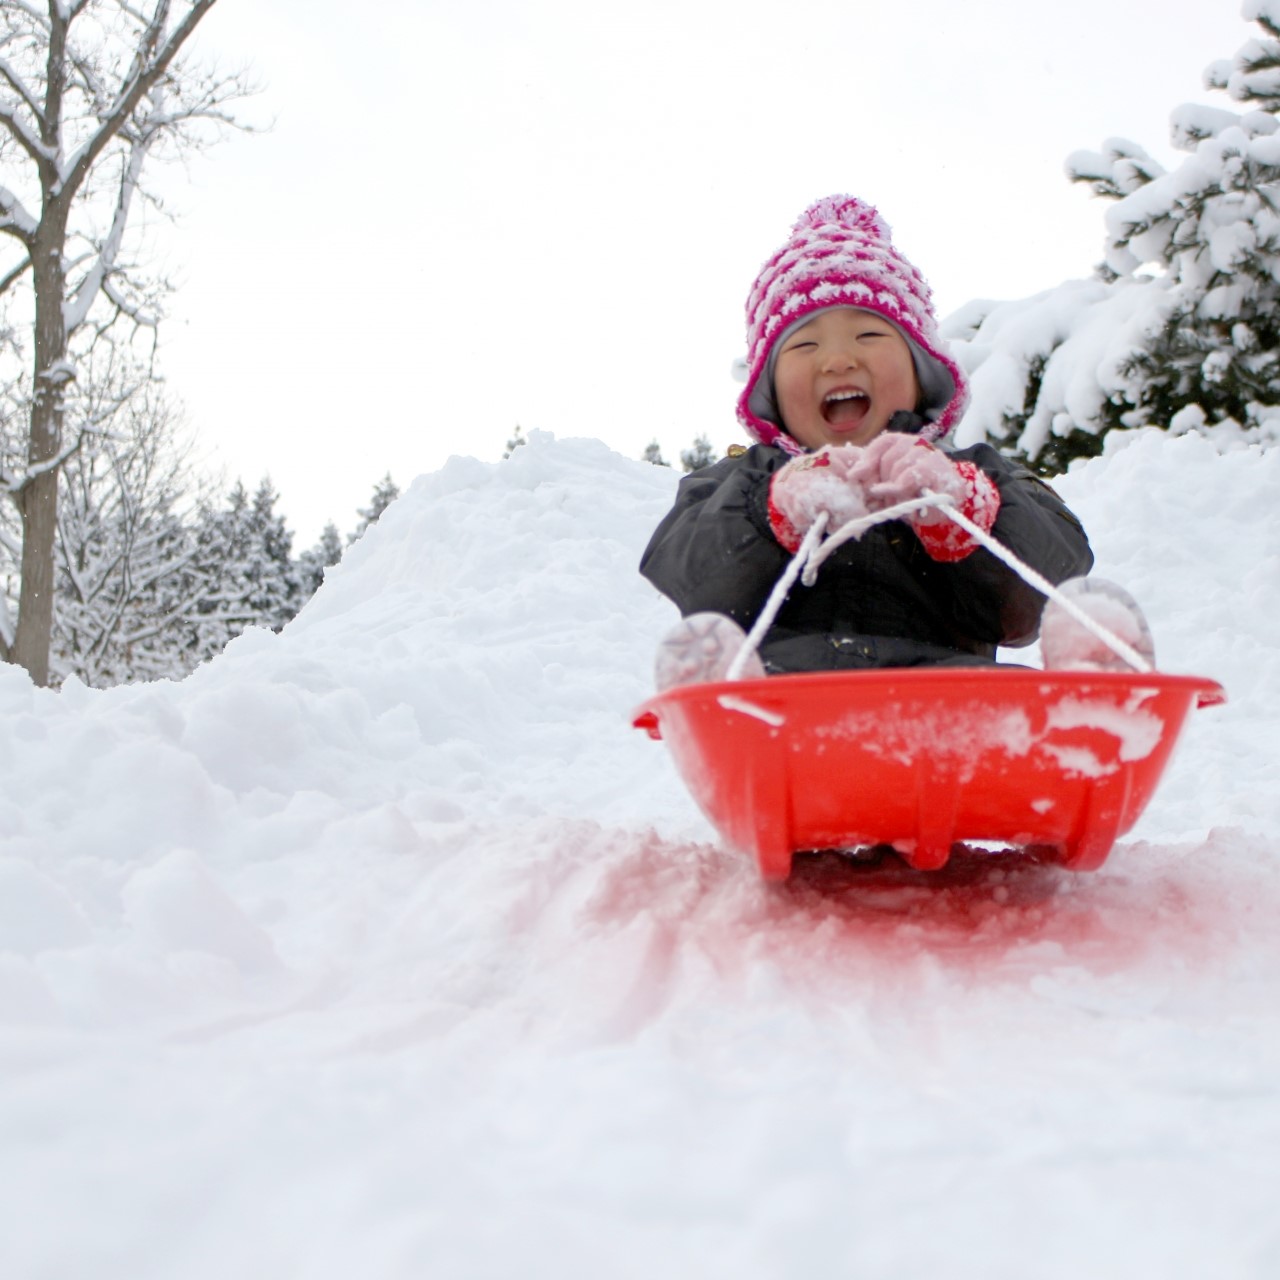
[1192, 122]
[1085, 332]
[1261, 10]
[385, 947]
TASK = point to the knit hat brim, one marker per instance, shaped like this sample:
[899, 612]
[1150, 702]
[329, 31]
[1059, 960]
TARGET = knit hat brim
[935, 377]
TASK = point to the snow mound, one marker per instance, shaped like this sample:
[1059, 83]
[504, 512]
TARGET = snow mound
[385, 946]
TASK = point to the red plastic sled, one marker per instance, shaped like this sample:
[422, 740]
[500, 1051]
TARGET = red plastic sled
[923, 758]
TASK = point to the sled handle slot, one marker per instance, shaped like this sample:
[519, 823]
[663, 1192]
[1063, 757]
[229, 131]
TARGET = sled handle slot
[648, 721]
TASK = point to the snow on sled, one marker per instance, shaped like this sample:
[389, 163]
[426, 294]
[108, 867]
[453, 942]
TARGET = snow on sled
[925, 758]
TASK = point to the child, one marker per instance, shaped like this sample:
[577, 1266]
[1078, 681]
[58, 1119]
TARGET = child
[850, 394]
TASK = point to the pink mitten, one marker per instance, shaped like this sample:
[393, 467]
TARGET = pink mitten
[810, 485]
[895, 468]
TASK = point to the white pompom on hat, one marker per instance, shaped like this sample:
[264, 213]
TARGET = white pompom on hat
[841, 254]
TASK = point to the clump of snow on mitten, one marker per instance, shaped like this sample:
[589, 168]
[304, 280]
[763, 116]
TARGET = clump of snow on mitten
[702, 648]
[819, 482]
[1067, 645]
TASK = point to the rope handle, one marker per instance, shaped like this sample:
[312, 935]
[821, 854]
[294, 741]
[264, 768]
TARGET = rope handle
[814, 551]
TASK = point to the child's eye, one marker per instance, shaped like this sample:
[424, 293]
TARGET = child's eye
[800, 346]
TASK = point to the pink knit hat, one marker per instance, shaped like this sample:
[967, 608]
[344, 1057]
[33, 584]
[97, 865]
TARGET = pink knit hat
[840, 254]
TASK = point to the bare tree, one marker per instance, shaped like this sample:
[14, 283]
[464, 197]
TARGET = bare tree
[128, 583]
[90, 90]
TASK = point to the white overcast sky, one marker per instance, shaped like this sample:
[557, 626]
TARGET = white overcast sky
[468, 215]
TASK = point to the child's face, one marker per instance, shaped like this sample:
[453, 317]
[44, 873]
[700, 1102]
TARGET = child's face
[841, 376]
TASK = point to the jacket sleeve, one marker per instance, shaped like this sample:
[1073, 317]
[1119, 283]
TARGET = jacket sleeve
[714, 550]
[989, 600]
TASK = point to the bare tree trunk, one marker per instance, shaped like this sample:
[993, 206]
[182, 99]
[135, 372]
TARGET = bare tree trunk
[34, 631]
[39, 498]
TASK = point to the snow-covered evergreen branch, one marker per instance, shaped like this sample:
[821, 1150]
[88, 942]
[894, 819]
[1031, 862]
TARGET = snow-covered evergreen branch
[1180, 327]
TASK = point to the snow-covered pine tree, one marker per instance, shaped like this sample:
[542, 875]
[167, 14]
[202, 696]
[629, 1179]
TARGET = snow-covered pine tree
[277, 593]
[699, 455]
[1212, 225]
[244, 556]
[222, 537]
[313, 562]
[1180, 326]
[385, 492]
[653, 453]
[517, 439]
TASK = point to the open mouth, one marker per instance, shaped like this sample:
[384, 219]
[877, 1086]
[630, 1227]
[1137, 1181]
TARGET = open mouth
[845, 408]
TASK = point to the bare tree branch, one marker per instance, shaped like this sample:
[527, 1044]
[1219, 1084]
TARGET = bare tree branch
[77, 308]
[15, 220]
[14, 275]
[17, 486]
[144, 73]
[126, 307]
[18, 85]
[23, 136]
[36, 15]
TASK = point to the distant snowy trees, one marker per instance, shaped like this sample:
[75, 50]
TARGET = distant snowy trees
[1180, 326]
[126, 572]
[517, 439]
[154, 572]
[315, 560]
[653, 454]
[243, 557]
[699, 454]
[385, 492]
[244, 571]
[90, 91]
[117, 562]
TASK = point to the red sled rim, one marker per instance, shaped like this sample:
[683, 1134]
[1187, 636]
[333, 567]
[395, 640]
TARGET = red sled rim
[925, 758]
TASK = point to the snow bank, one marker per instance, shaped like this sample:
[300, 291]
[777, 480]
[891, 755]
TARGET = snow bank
[1195, 535]
[385, 947]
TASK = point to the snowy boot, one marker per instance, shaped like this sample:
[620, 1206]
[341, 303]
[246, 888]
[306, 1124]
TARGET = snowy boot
[701, 648]
[1067, 645]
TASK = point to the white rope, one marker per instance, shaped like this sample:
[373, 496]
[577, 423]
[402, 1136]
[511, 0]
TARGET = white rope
[776, 597]
[1042, 584]
[856, 527]
[813, 552]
